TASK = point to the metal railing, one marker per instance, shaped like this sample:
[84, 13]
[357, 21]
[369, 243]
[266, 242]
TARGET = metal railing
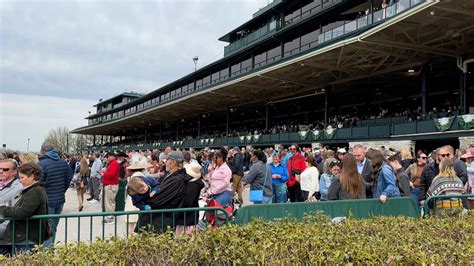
[434, 204]
[156, 220]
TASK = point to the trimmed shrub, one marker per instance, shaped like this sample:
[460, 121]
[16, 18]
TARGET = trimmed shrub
[313, 240]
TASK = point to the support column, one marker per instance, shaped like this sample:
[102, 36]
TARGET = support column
[93, 141]
[463, 93]
[326, 107]
[146, 134]
[199, 127]
[424, 92]
[227, 123]
[267, 116]
[161, 137]
[177, 129]
[101, 140]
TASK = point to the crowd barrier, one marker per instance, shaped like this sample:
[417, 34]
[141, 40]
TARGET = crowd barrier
[85, 223]
[364, 208]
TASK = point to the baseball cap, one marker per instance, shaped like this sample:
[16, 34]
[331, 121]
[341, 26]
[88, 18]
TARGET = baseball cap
[174, 155]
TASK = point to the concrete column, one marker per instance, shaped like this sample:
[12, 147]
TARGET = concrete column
[463, 93]
[424, 92]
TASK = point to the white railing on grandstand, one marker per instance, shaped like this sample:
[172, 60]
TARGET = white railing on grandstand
[366, 20]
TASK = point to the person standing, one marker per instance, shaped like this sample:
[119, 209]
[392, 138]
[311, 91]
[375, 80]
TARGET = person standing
[279, 178]
[349, 184]
[414, 174]
[259, 176]
[81, 186]
[364, 167]
[236, 165]
[296, 165]
[110, 180]
[56, 175]
[310, 180]
[95, 179]
[10, 186]
[31, 201]
[386, 182]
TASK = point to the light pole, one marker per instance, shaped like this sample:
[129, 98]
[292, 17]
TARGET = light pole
[195, 60]
[28, 146]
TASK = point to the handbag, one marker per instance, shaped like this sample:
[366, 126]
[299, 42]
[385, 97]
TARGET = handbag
[257, 194]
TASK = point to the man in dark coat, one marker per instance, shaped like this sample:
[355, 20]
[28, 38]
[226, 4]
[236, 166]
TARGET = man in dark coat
[364, 167]
[171, 192]
[56, 175]
[236, 165]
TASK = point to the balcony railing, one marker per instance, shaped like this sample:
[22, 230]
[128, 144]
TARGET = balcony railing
[367, 132]
[368, 20]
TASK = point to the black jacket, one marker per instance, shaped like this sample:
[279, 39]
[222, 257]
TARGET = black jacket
[171, 192]
[336, 192]
[236, 164]
[403, 182]
[429, 172]
[32, 201]
[369, 181]
[191, 200]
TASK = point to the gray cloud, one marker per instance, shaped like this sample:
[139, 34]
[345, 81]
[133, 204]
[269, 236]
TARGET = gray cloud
[96, 49]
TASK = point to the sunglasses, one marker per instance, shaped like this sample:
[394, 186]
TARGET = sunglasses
[423, 157]
[444, 155]
[5, 169]
[292, 149]
[335, 162]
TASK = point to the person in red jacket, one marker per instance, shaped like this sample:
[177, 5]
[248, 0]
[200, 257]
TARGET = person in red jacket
[296, 165]
[110, 180]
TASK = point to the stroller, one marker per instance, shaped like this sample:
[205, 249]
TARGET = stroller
[216, 218]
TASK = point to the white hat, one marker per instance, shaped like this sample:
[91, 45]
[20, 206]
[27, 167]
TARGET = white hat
[193, 169]
[139, 165]
[138, 174]
[341, 150]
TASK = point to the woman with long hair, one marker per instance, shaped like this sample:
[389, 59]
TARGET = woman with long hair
[386, 182]
[349, 184]
[414, 174]
[446, 183]
[81, 184]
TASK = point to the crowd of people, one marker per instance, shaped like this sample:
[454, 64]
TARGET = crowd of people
[169, 179]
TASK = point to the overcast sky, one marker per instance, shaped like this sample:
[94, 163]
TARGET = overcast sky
[57, 58]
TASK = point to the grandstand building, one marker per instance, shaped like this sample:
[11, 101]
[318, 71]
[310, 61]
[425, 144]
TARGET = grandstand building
[322, 71]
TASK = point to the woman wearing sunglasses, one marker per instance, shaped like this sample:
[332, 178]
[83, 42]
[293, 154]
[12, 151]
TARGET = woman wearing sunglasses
[414, 174]
[327, 178]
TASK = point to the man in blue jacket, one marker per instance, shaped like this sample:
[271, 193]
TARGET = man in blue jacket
[56, 175]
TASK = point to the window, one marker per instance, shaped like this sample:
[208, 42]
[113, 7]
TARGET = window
[274, 54]
[246, 65]
[215, 77]
[235, 69]
[309, 40]
[261, 59]
[292, 47]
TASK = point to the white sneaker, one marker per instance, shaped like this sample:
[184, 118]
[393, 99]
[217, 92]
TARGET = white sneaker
[92, 201]
[109, 222]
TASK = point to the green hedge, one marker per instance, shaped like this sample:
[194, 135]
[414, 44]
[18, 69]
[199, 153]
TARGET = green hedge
[315, 240]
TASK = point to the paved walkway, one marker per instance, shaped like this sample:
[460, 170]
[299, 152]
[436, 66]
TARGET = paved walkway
[90, 228]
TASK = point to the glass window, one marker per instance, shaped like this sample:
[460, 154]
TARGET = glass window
[215, 76]
[235, 69]
[309, 40]
[246, 65]
[224, 73]
[292, 47]
[199, 84]
[261, 59]
[274, 54]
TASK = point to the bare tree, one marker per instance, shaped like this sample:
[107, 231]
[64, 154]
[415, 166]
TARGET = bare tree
[63, 141]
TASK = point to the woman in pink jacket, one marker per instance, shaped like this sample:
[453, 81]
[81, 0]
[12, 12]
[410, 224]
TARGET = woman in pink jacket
[220, 186]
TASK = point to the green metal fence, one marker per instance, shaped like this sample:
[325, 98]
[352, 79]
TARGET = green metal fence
[85, 223]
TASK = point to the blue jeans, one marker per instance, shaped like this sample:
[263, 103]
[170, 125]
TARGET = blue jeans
[266, 200]
[280, 194]
[53, 223]
[224, 198]
[415, 194]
